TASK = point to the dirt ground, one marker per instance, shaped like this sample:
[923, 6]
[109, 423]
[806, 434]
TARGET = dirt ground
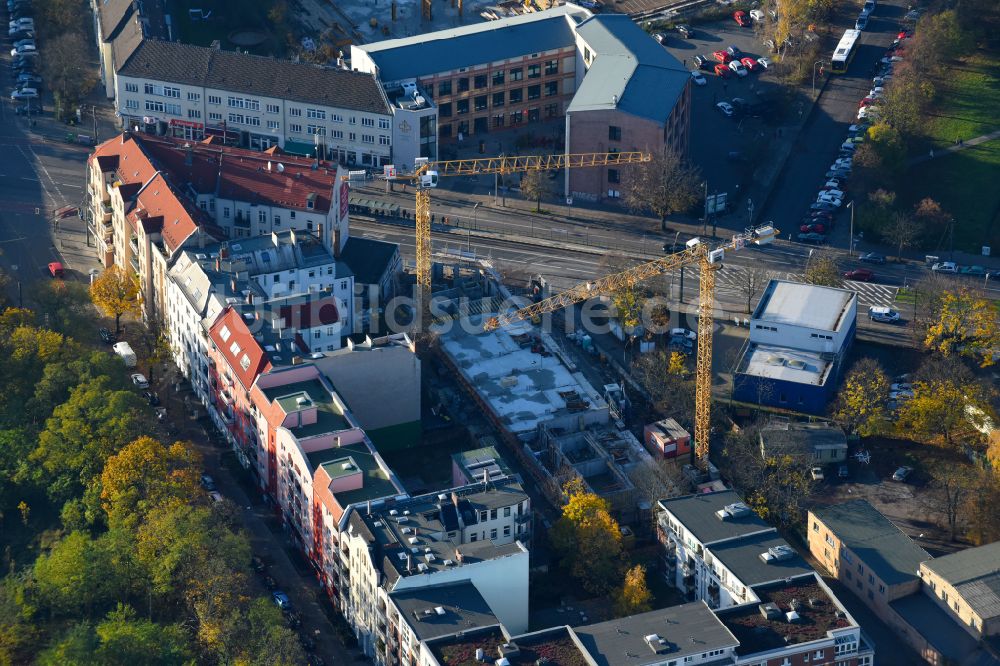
[909, 505]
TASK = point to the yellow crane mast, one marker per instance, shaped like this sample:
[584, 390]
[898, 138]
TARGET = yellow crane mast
[709, 260]
[426, 175]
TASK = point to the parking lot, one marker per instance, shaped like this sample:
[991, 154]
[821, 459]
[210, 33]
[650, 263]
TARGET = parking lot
[713, 135]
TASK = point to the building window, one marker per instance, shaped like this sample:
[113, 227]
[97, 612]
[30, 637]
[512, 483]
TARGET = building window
[534, 92]
[194, 97]
[506, 530]
[551, 110]
[462, 106]
[498, 77]
[551, 67]
[516, 117]
[316, 114]
[614, 133]
[516, 95]
[463, 84]
[367, 138]
[152, 105]
[273, 108]
[214, 99]
[493, 533]
[506, 512]
[444, 88]
[273, 124]
[351, 136]
[194, 113]
[533, 115]
[498, 99]
[214, 116]
[498, 120]
[613, 176]
[383, 123]
[482, 516]
[297, 113]
[871, 579]
[474, 537]
[295, 129]
[493, 514]
[338, 134]
[551, 88]
[172, 109]
[881, 588]
[132, 104]
[480, 103]
[444, 131]
[337, 118]
[383, 140]
[132, 87]
[516, 74]
[225, 212]
[479, 82]
[534, 71]
[368, 122]
[444, 110]
[317, 130]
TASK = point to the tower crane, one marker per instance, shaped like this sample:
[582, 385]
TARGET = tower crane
[709, 260]
[426, 175]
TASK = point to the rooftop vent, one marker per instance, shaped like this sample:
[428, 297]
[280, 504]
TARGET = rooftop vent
[480, 654]
[443, 497]
[508, 650]
[378, 523]
[449, 563]
[655, 643]
[402, 519]
[413, 540]
[797, 364]
[733, 511]
[415, 550]
[407, 530]
[502, 661]
[393, 512]
[422, 568]
[439, 610]
[814, 602]
[401, 556]
[348, 465]
[770, 610]
[778, 554]
[792, 617]
[430, 557]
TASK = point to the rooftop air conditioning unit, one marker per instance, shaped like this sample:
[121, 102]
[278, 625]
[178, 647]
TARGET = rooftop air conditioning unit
[778, 554]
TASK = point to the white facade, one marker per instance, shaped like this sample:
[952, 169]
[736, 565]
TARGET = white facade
[804, 316]
[349, 136]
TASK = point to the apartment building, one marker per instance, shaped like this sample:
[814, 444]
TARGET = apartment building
[601, 75]
[475, 534]
[255, 102]
[721, 552]
[119, 26]
[967, 585]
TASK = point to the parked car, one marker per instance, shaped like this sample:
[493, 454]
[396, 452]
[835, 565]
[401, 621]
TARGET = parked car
[822, 205]
[812, 228]
[25, 51]
[722, 71]
[843, 473]
[743, 19]
[945, 267]
[824, 216]
[698, 78]
[764, 62]
[902, 474]
[725, 108]
[56, 269]
[28, 77]
[749, 63]
[861, 23]
[140, 381]
[24, 93]
[812, 238]
[685, 333]
[702, 61]
[151, 398]
[659, 37]
[868, 112]
[901, 386]
[107, 336]
[756, 15]
[685, 31]
[883, 314]
[281, 599]
[722, 56]
[974, 271]
[836, 201]
[207, 482]
[816, 472]
[832, 192]
[215, 496]
[738, 67]
[734, 51]
[860, 275]
[872, 258]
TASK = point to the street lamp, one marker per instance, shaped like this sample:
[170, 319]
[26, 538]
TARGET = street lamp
[475, 220]
[850, 243]
[818, 62]
[20, 301]
[750, 211]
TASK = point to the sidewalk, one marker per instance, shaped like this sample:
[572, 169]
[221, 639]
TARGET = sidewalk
[963, 145]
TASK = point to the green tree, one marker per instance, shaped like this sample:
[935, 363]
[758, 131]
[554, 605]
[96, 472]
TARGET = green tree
[677, 365]
[259, 636]
[126, 640]
[82, 433]
[116, 293]
[634, 596]
[966, 324]
[19, 632]
[860, 406]
[537, 185]
[662, 186]
[76, 647]
[889, 146]
[938, 410]
[74, 577]
[588, 539]
[66, 69]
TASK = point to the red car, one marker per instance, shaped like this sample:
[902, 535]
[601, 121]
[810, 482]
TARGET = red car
[722, 71]
[742, 18]
[860, 274]
[56, 269]
[750, 63]
[867, 101]
[722, 56]
[812, 228]
[903, 34]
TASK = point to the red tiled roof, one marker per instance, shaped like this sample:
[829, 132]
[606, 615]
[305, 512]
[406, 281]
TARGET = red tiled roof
[133, 166]
[256, 360]
[243, 175]
[179, 219]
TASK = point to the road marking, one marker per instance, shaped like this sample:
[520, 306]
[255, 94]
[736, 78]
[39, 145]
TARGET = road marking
[31, 179]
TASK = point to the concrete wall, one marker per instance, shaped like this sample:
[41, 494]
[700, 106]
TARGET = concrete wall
[948, 598]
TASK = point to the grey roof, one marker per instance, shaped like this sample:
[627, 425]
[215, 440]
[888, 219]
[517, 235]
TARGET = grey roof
[368, 258]
[447, 50]
[608, 643]
[462, 605]
[186, 64]
[810, 305]
[936, 626]
[279, 251]
[127, 40]
[110, 13]
[742, 558]
[698, 514]
[875, 539]
[975, 573]
[630, 71]
[781, 435]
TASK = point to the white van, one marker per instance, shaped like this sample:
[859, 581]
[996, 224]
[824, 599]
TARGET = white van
[124, 350]
[883, 314]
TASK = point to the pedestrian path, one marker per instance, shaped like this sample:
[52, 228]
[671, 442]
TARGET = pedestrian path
[963, 145]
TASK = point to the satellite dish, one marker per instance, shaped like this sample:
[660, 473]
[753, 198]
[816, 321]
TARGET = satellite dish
[281, 168]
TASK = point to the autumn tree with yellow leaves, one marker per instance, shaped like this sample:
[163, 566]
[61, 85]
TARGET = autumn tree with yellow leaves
[116, 293]
[634, 595]
[966, 324]
[588, 539]
[861, 405]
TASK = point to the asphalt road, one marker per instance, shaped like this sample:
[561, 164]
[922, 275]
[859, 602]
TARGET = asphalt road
[824, 132]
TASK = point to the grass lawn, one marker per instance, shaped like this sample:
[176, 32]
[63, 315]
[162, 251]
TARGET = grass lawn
[968, 95]
[227, 16]
[964, 183]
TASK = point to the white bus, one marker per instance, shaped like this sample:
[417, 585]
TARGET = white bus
[844, 52]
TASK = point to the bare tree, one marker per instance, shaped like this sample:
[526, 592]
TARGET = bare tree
[658, 479]
[901, 232]
[951, 487]
[662, 186]
[752, 280]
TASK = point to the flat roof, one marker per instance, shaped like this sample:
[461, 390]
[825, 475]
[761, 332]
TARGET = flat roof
[698, 514]
[975, 573]
[785, 364]
[807, 305]
[523, 388]
[742, 558]
[937, 627]
[482, 460]
[375, 483]
[686, 629]
[782, 435]
[461, 606]
[875, 539]
[329, 416]
[756, 633]
[555, 647]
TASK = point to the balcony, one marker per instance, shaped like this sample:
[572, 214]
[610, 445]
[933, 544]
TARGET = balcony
[134, 263]
[134, 244]
[106, 212]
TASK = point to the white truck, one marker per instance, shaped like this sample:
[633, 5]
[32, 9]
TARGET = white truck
[124, 350]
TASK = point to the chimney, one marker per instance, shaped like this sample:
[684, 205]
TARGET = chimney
[188, 154]
[369, 507]
[218, 262]
[458, 556]
[409, 562]
[216, 45]
[224, 251]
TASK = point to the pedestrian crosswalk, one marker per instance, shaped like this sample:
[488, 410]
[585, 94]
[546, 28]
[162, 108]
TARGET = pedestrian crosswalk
[733, 280]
